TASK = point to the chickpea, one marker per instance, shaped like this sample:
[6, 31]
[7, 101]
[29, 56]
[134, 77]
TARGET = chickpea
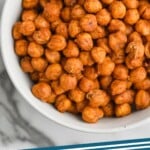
[66, 14]
[86, 58]
[71, 50]
[81, 105]
[53, 71]
[70, 2]
[143, 85]
[96, 84]
[76, 95]
[63, 104]
[92, 6]
[41, 22]
[84, 41]
[142, 99]
[73, 109]
[131, 4]
[57, 88]
[129, 29]
[86, 84]
[132, 16]
[122, 110]
[120, 72]
[62, 29]
[108, 2]
[144, 11]
[41, 90]
[74, 28]
[105, 82]
[143, 2]
[55, 24]
[35, 50]
[51, 98]
[117, 40]
[117, 25]
[109, 110]
[92, 115]
[147, 50]
[125, 97]
[57, 43]
[99, 32]
[77, 12]
[73, 65]
[42, 77]
[117, 9]
[79, 75]
[39, 64]
[16, 31]
[98, 54]
[28, 15]
[58, 2]
[103, 17]
[51, 12]
[97, 98]
[90, 73]
[52, 56]
[27, 28]
[88, 23]
[106, 68]
[34, 76]
[118, 87]
[143, 27]
[138, 74]
[26, 64]
[68, 82]
[135, 36]
[21, 47]
[29, 4]
[43, 3]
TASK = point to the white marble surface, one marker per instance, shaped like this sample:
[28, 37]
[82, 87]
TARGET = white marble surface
[21, 126]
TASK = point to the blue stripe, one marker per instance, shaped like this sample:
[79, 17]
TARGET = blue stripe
[95, 144]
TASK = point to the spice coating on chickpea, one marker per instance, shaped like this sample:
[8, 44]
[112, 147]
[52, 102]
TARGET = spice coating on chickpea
[105, 82]
[28, 4]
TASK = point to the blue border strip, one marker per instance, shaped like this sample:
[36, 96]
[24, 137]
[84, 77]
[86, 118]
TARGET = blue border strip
[132, 141]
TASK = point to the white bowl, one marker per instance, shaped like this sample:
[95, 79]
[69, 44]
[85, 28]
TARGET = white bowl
[11, 13]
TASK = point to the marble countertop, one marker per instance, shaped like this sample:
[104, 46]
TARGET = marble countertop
[21, 126]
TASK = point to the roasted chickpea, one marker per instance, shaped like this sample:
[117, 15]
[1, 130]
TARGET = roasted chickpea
[53, 71]
[84, 41]
[96, 84]
[147, 50]
[58, 2]
[92, 115]
[29, 4]
[57, 43]
[138, 74]
[26, 64]
[106, 68]
[131, 4]
[117, 9]
[120, 72]
[27, 28]
[86, 58]
[97, 98]
[35, 50]
[135, 36]
[73, 65]
[74, 28]
[34, 76]
[41, 90]
[105, 82]
[103, 17]
[122, 110]
[109, 110]
[98, 54]
[117, 40]
[144, 11]
[55, 24]
[108, 2]
[143, 27]
[117, 25]
[81, 105]
[43, 3]
[62, 29]
[51, 98]
[73, 109]
[88, 23]
[29, 15]
[129, 29]
[39, 64]
[68, 82]
[70, 2]
[16, 31]
[92, 6]
[142, 99]
[143, 85]
[125, 97]
[86, 84]
[21, 47]
[90, 72]
[71, 50]
[118, 87]
[76, 95]
[66, 14]
[42, 77]
[41, 22]
[51, 12]
[99, 32]
[57, 88]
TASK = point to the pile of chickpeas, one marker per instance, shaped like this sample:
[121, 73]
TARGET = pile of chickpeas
[87, 57]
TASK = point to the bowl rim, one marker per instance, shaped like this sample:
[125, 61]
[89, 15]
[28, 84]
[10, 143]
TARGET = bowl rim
[81, 129]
